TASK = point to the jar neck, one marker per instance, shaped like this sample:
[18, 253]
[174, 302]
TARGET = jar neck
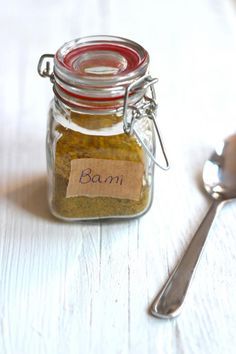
[132, 107]
[101, 105]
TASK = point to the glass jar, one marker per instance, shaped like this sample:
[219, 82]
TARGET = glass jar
[101, 129]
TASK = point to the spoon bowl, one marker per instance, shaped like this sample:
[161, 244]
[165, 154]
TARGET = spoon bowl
[219, 178]
[219, 173]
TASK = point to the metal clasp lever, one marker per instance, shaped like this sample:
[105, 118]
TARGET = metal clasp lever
[146, 109]
[46, 71]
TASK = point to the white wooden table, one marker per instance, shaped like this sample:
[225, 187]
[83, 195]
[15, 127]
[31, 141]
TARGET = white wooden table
[85, 288]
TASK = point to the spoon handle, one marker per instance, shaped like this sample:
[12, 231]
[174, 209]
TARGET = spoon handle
[168, 303]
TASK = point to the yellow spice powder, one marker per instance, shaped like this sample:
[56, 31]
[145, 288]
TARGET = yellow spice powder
[75, 145]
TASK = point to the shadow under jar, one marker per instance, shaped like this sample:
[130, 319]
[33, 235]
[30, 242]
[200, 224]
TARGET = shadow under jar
[101, 129]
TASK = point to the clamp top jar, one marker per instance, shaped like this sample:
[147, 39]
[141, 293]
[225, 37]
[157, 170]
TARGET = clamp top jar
[101, 129]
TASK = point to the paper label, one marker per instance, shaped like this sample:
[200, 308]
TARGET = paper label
[105, 178]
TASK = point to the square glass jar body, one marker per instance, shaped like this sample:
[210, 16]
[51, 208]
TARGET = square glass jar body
[97, 190]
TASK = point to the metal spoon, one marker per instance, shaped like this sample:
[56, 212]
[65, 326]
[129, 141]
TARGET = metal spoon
[219, 177]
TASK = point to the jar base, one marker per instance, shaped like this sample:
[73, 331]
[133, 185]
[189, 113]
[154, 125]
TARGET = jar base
[100, 218]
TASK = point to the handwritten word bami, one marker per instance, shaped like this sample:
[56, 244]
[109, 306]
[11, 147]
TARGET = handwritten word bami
[88, 176]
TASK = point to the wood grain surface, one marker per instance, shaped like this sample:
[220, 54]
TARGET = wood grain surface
[85, 288]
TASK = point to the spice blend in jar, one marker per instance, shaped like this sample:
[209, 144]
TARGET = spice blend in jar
[100, 140]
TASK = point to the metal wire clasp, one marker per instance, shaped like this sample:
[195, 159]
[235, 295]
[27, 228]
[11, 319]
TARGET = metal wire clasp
[46, 71]
[148, 109]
